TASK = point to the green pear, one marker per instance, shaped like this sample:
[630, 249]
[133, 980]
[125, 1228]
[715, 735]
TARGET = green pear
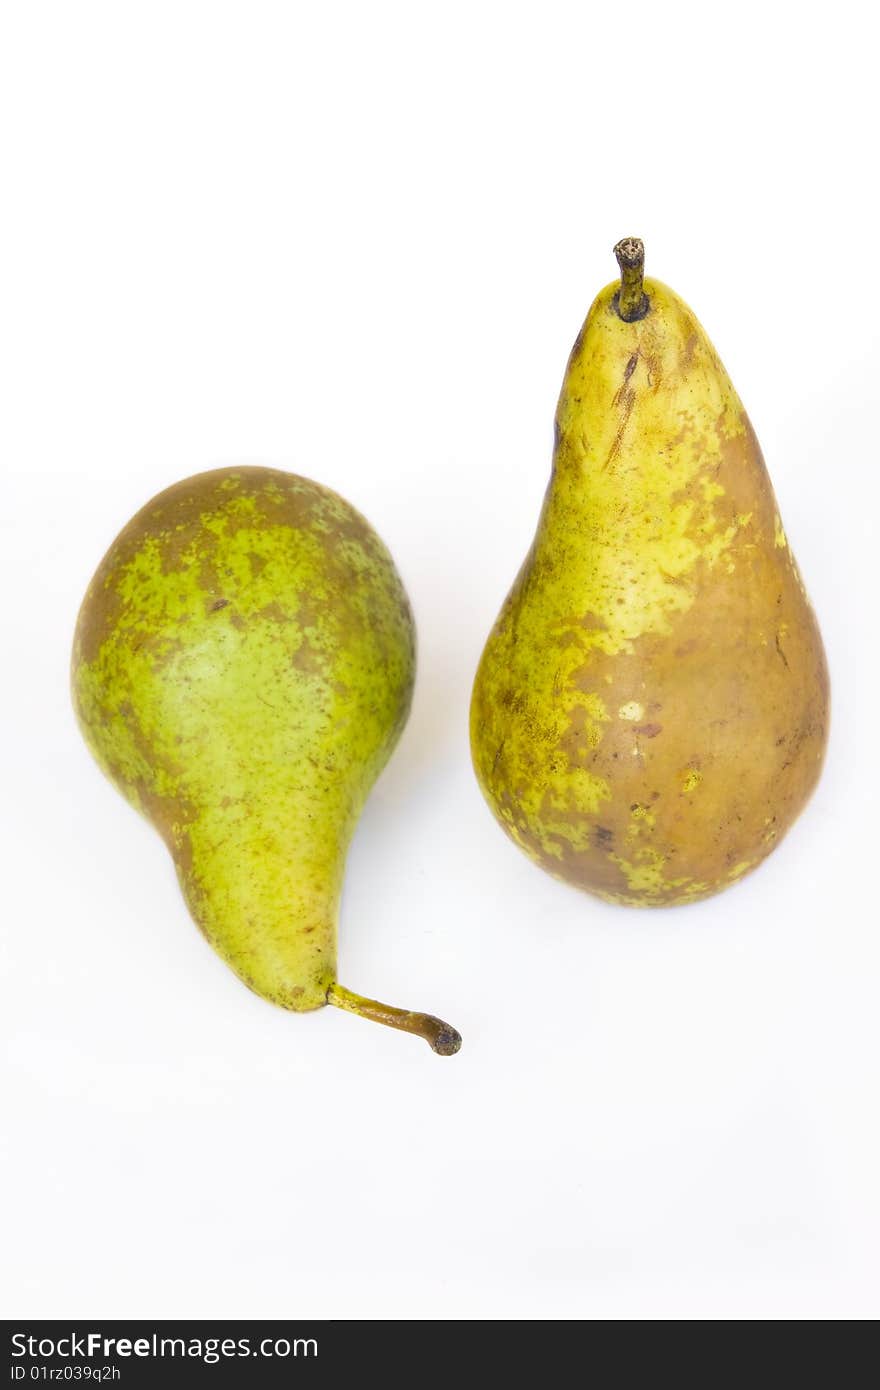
[243, 666]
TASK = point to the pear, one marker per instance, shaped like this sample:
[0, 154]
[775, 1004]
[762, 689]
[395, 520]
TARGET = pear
[242, 668]
[650, 711]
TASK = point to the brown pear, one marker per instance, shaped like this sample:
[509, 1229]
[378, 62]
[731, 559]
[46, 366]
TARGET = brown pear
[651, 709]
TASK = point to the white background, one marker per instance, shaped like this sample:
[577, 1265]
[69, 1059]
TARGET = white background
[357, 241]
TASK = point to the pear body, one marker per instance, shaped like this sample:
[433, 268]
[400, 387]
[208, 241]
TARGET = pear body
[650, 711]
[243, 665]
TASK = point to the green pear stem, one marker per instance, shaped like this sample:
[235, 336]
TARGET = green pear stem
[444, 1040]
[631, 300]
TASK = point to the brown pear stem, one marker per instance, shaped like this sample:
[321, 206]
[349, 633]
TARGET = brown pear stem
[631, 301]
[438, 1035]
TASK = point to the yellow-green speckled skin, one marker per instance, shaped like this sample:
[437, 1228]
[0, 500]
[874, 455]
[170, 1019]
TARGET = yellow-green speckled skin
[650, 711]
[242, 668]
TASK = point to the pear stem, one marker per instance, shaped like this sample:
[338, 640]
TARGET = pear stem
[631, 301]
[444, 1040]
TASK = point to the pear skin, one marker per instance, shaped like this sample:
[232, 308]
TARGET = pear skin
[650, 712]
[243, 666]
